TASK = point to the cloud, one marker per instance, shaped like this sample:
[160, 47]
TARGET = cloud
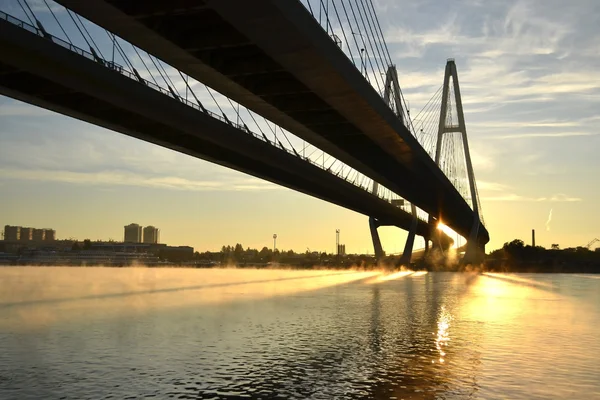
[491, 186]
[549, 220]
[481, 161]
[17, 109]
[542, 134]
[125, 178]
[556, 198]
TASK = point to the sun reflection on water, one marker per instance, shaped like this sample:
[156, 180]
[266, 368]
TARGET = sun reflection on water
[443, 336]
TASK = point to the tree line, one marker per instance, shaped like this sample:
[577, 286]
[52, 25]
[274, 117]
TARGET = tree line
[518, 257]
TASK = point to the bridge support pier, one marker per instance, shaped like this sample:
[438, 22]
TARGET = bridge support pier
[408, 246]
[410, 240]
[373, 225]
[475, 251]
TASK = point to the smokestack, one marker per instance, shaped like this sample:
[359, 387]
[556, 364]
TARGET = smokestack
[533, 237]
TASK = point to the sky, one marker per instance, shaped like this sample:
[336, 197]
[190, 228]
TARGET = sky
[529, 72]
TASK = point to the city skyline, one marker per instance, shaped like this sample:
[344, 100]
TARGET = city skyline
[528, 73]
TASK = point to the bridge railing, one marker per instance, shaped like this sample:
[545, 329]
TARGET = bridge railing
[136, 77]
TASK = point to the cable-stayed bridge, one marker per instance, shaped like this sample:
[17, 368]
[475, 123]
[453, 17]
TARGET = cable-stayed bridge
[289, 92]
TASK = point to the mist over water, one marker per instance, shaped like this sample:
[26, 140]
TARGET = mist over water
[241, 333]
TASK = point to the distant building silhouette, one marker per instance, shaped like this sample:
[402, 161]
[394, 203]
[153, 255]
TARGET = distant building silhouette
[38, 235]
[151, 235]
[12, 233]
[49, 235]
[26, 234]
[22, 234]
[133, 233]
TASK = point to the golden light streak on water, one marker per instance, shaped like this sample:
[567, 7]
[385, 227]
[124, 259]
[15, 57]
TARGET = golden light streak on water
[585, 276]
[518, 279]
[37, 296]
[450, 335]
[390, 277]
[418, 273]
[443, 335]
[495, 298]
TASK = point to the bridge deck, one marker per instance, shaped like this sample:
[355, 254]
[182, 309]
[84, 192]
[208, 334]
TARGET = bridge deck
[40, 72]
[274, 58]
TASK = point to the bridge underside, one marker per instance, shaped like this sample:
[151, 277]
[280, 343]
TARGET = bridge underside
[37, 71]
[273, 57]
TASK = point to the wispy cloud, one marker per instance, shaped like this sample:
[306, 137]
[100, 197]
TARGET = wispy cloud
[556, 198]
[491, 186]
[549, 220]
[11, 108]
[123, 178]
[543, 134]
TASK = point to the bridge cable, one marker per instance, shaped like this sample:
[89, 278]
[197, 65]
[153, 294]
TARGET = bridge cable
[430, 121]
[122, 52]
[374, 35]
[327, 20]
[313, 152]
[429, 101]
[310, 8]
[353, 36]
[381, 59]
[380, 31]
[123, 55]
[286, 138]
[384, 46]
[171, 86]
[191, 91]
[250, 113]
[79, 29]
[25, 12]
[425, 135]
[370, 47]
[335, 160]
[350, 170]
[90, 36]
[58, 22]
[30, 11]
[430, 118]
[218, 106]
[237, 111]
[344, 33]
[37, 21]
[320, 8]
[373, 44]
[144, 63]
[364, 48]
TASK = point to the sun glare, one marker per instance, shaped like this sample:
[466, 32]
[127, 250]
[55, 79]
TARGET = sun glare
[448, 231]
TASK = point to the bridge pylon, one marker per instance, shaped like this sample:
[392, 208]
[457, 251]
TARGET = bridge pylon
[392, 97]
[475, 250]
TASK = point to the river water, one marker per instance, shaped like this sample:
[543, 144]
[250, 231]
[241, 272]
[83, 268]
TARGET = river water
[100, 333]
